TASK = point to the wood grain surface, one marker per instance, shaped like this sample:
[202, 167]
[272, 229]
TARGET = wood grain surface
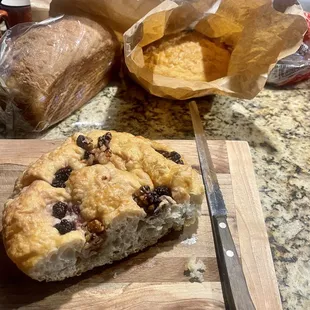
[155, 277]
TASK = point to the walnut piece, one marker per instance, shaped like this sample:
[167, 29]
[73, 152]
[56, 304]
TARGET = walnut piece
[95, 226]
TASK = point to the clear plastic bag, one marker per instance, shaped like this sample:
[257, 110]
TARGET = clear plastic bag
[50, 69]
[294, 68]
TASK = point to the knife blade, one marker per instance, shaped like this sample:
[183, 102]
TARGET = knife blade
[235, 291]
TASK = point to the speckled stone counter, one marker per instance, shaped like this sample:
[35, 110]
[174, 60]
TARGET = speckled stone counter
[277, 126]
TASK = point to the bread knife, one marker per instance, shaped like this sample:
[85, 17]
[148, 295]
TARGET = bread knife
[235, 291]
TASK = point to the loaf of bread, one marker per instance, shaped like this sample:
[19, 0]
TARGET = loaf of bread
[97, 198]
[54, 68]
[187, 56]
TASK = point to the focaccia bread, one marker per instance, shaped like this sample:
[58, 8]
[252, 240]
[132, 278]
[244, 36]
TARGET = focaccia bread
[97, 198]
[187, 56]
[53, 69]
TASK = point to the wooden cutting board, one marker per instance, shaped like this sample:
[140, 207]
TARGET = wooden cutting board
[155, 278]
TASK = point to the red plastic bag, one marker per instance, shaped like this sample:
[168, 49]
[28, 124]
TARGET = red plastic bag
[307, 35]
[294, 68]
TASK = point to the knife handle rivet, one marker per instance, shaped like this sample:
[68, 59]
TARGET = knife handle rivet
[230, 253]
[222, 225]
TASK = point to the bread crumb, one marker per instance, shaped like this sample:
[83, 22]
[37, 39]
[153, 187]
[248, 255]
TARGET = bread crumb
[115, 275]
[191, 240]
[194, 269]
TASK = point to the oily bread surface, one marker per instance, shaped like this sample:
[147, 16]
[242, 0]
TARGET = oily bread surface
[51, 70]
[103, 191]
[187, 56]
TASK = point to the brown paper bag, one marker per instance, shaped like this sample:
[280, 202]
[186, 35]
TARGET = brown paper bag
[118, 14]
[259, 37]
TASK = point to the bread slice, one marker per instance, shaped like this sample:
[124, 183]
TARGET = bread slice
[96, 199]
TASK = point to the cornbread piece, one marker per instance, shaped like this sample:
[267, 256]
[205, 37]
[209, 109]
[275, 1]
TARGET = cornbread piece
[69, 214]
[187, 56]
[52, 70]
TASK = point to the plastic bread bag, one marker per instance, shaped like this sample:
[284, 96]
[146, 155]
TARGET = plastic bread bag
[255, 35]
[51, 68]
[294, 68]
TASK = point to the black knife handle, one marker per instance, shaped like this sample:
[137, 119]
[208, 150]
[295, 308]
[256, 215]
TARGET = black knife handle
[235, 290]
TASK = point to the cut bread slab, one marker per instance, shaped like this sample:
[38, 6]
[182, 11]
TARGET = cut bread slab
[97, 198]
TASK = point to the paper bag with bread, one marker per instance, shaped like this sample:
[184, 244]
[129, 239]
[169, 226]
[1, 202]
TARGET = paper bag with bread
[187, 49]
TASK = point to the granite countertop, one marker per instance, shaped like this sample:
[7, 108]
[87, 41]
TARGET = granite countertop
[277, 126]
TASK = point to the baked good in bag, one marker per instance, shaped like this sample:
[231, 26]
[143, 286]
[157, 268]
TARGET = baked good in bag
[97, 198]
[54, 68]
[187, 56]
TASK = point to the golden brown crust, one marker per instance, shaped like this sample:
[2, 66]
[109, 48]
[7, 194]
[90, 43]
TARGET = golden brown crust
[28, 231]
[103, 191]
[187, 56]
